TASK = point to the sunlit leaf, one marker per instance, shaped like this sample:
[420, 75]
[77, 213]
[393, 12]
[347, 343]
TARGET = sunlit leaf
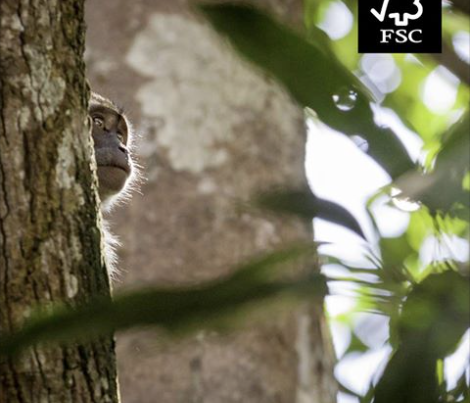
[421, 226]
[395, 251]
[312, 75]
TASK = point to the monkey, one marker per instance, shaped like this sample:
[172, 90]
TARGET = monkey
[112, 135]
[117, 171]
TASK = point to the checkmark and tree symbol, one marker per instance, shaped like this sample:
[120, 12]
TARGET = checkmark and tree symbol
[399, 21]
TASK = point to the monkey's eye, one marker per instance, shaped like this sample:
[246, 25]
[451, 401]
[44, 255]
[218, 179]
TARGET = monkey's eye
[98, 121]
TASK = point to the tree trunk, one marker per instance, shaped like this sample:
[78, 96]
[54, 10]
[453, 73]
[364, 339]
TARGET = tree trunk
[49, 239]
[212, 131]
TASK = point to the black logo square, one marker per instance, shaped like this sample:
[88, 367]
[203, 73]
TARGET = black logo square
[400, 26]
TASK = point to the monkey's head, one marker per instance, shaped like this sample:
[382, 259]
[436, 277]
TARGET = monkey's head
[111, 133]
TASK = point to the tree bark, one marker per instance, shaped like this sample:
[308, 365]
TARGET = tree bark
[213, 130]
[49, 236]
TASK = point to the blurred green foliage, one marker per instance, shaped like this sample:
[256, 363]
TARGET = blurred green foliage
[177, 311]
[426, 303]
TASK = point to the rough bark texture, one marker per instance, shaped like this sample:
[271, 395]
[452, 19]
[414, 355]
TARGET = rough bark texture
[49, 238]
[213, 131]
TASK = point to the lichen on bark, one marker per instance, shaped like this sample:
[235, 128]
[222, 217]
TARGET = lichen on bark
[213, 132]
[49, 239]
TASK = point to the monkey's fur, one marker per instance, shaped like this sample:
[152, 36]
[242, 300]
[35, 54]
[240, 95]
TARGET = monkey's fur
[117, 172]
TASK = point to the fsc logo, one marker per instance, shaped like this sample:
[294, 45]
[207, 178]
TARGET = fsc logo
[400, 26]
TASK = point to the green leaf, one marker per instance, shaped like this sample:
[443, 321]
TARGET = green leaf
[395, 250]
[438, 308]
[356, 345]
[421, 226]
[461, 390]
[305, 204]
[441, 189]
[177, 310]
[410, 377]
[314, 77]
[433, 321]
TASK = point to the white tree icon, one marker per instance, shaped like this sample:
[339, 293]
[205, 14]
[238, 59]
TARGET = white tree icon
[399, 22]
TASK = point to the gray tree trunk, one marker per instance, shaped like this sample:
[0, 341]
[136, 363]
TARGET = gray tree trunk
[49, 239]
[212, 131]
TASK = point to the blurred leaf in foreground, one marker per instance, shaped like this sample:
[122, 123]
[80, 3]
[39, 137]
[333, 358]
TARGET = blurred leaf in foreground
[434, 318]
[313, 76]
[305, 204]
[177, 310]
[441, 189]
